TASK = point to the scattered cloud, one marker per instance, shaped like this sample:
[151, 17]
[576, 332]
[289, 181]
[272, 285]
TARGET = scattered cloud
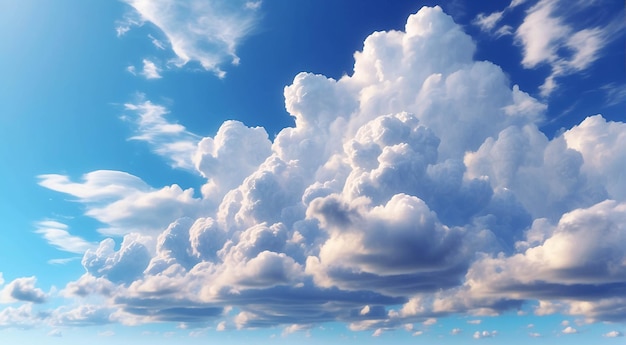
[474, 322]
[150, 70]
[57, 235]
[55, 333]
[429, 322]
[63, 261]
[170, 140]
[569, 330]
[123, 202]
[548, 37]
[456, 331]
[207, 32]
[484, 334]
[22, 289]
[613, 334]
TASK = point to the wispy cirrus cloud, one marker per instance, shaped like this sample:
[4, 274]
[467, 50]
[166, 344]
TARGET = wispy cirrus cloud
[549, 37]
[57, 235]
[207, 32]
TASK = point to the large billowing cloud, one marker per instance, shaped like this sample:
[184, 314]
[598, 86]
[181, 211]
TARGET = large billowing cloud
[420, 180]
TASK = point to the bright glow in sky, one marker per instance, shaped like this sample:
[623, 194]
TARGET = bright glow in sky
[319, 172]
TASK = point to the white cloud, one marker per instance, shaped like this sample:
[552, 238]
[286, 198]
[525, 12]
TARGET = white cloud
[124, 202]
[170, 140]
[569, 330]
[484, 334]
[55, 333]
[23, 317]
[456, 331]
[57, 235]
[22, 289]
[474, 322]
[207, 32]
[545, 36]
[150, 70]
[548, 37]
[420, 180]
[488, 22]
[429, 322]
[613, 334]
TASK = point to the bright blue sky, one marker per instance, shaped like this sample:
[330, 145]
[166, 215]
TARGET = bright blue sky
[453, 180]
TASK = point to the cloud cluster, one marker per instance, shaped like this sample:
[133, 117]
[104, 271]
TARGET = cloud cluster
[421, 180]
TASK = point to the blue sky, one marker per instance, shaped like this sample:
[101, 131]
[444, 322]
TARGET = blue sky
[312, 171]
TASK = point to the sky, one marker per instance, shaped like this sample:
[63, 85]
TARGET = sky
[277, 171]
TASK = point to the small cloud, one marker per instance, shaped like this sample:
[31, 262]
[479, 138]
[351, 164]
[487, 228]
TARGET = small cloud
[55, 333]
[294, 328]
[57, 235]
[365, 310]
[63, 261]
[569, 330]
[253, 5]
[377, 332]
[150, 70]
[534, 335]
[485, 334]
[430, 322]
[474, 322]
[456, 331]
[108, 333]
[613, 334]
[418, 333]
[565, 323]
[22, 289]
[221, 326]
[157, 43]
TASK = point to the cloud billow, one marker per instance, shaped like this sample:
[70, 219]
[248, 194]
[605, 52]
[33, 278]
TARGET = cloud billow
[421, 180]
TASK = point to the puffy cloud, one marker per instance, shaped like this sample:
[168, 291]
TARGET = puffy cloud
[580, 257]
[207, 32]
[83, 315]
[22, 289]
[569, 330]
[613, 334]
[600, 142]
[397, 248]
[420, 181]
[22, 317]
[121, 266]
[228, 158]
